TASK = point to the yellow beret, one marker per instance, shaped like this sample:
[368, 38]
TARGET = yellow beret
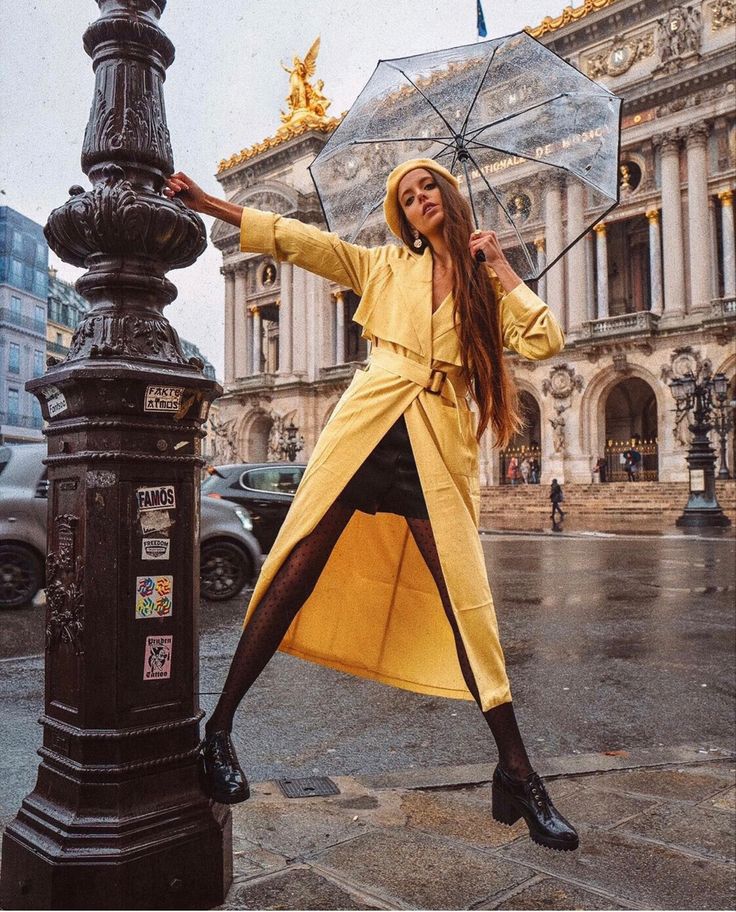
[391, 207]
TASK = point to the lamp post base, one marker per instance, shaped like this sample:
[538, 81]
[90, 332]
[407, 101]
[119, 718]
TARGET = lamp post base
[703, 518]
[45, 868]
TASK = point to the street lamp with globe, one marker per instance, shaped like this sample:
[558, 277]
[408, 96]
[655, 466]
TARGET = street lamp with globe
[695, 395]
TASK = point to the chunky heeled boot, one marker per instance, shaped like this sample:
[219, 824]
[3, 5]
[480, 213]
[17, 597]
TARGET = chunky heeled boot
[223, 779]
[528, 798]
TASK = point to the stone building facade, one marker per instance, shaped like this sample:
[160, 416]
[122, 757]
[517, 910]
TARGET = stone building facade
[649, 294]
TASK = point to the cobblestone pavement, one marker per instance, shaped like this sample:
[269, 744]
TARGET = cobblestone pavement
[659, 836]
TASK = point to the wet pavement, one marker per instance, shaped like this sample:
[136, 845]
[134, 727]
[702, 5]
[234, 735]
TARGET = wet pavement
[612, 644]
[650, 838]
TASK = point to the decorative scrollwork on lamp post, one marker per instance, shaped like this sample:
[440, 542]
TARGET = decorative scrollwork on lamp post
[694, 399]
[722, 420]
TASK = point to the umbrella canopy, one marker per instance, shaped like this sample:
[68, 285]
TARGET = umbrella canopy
[508, 117]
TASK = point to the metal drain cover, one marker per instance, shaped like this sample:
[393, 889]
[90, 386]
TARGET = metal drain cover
[311, 787]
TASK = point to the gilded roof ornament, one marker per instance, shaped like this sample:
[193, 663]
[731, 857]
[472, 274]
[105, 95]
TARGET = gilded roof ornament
[307, 109]
[568, 15]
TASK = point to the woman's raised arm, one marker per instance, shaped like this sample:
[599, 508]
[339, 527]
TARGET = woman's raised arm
[283, 238]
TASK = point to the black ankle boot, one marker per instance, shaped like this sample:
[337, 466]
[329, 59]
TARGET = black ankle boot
[223, 779]
[528, 798]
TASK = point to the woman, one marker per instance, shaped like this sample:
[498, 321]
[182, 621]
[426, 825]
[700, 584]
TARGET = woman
[380, 549]
[512, 473]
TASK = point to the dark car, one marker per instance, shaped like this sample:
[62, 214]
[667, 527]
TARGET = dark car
[265, 489]
[229, 553]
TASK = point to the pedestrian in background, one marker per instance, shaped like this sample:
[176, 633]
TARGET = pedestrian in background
[556, 497]
[512, 473]
[600, 470]
[534, 470]
[525, 468]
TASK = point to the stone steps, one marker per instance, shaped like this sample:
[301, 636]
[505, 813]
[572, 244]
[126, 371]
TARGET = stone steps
[615, 499]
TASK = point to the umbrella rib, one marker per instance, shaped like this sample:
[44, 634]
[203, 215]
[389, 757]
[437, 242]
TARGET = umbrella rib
[477, 91]
[387, 139]
[503, 209]
[501, 120]
[430, 103]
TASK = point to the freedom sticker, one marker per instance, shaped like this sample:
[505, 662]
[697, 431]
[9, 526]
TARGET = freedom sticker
[163, 398]
[154, 596]
[157, 663]
[155, 549]
[161, 497]
[55, 400]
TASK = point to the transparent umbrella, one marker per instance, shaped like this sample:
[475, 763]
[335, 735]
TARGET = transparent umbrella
[511, 119]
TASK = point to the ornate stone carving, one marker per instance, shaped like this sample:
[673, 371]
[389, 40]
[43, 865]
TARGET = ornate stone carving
[65, 588]
[226, 440]
[274, 436]
[679, 35]
[558, 428]
[620, 56]
[269, 201]
[723, 13]
[562, 382]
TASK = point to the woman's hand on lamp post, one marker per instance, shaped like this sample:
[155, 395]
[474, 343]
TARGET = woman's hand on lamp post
[182, 187]
[487, 243]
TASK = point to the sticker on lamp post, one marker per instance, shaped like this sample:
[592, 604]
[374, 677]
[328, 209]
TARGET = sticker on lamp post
[155, 548]
[159, 497]
[157, 661]
[154, 596]
[163, 398]
[155, 521]
[697, 481]
[55, 401]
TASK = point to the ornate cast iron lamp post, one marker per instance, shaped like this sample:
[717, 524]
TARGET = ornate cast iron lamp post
[290, 443]
[117, 819]
[722, 420]
[696, 395]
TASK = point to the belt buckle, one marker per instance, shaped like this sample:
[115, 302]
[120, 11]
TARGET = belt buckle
[435, 385]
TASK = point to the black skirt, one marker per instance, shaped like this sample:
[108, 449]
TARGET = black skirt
[388, 481]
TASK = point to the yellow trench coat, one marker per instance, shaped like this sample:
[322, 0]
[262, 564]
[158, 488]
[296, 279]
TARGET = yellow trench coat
[376, 611]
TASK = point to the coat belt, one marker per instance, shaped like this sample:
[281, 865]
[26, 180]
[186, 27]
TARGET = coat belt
[430, 378]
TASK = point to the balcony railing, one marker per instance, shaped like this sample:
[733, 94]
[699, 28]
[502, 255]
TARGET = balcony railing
[57, 348]
[723, 308]
[642, 321]
[14, 419]
[15, 319]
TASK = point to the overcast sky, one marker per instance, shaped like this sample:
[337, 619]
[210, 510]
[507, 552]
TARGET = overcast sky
[223, 93]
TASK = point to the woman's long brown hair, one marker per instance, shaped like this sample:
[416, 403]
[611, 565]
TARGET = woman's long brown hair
[477, 311]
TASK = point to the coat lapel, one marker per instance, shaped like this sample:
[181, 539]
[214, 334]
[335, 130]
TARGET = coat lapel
[412, 280]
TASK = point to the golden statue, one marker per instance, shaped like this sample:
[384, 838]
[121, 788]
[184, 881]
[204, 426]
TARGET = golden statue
[306, 101]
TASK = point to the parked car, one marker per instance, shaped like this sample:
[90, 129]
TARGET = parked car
[265, 489]
[229, 553]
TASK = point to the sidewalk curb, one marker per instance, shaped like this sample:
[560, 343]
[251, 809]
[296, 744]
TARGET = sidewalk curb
[551, 767]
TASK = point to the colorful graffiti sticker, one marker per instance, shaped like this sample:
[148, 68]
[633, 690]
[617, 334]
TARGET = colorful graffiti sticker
[157, 661]
[154, 596]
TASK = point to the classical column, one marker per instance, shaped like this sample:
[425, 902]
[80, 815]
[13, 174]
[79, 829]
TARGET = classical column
[655, 261]
[286, 317]
[672, 240]
[339, 297]
[554, 244]
[697, 211]
[299, 323]
[257, 340]
[601, 256]
[589, 241]
[727, 239]
[229, 324]
[541, 263]
[577, 304]
[240, 362]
